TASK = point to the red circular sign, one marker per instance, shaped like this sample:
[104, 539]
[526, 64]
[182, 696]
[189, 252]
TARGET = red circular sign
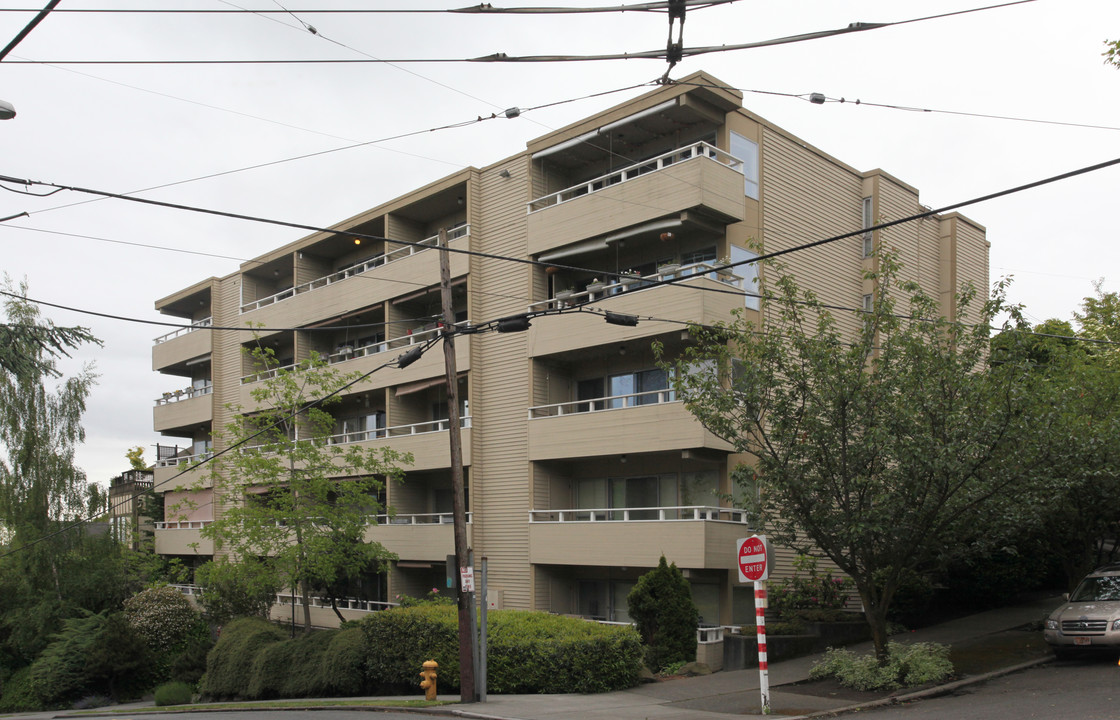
[752, 558]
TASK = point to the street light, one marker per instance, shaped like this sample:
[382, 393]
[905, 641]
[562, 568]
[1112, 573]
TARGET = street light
[7, 111]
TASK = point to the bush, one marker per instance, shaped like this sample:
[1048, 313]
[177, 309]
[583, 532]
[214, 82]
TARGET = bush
[343, 669]
[18, 695]
[529, 652]
[95, 654]
[810, 597]
[906, 666]
[661, 606]
[229, 665]
[173, 693]
[163, 618]
[230, 590]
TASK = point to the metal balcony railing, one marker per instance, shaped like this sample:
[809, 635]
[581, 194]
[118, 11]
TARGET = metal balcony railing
[266, 374]
[673, 157]
[686, 513]
[635, 283]
[412, 338]
[364, 266]
[203, 323]
[183, 525]
[612, 402]
[423, 428]
[183, 459]
[185, 394]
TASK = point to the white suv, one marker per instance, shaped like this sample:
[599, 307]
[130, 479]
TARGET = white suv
[1090, 619]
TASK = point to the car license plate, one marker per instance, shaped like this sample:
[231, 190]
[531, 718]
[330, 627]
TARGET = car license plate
[1082, 641]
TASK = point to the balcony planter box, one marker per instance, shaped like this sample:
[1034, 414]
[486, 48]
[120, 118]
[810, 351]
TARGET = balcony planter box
[563, 298]
[595, 288]
[668, 270]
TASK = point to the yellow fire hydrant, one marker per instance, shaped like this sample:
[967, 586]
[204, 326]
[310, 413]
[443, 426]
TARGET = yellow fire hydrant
[428, 684]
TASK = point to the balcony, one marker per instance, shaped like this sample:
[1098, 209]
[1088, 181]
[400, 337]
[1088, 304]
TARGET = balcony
[183, 344]
[337, 293]
[182, 538]
[180, 468]
[698, 177]
[426, 537]
[695, 537]
[182, 409]
[693, 302]
[652, 421]
[427, 441]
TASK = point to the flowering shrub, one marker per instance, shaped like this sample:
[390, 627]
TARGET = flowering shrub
[162, 617]
[811, 596]
[431, 598]
[906, 666]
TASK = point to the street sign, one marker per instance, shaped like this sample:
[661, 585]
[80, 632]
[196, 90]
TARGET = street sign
[466, 575]
[752, 558]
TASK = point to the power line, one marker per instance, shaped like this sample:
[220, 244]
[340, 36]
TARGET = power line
[499, 57]
[481, 9]
[42, 15]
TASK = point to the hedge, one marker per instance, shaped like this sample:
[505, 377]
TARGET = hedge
[325, 663]
[529, 652]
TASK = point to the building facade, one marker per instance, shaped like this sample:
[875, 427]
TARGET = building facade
[582, 467]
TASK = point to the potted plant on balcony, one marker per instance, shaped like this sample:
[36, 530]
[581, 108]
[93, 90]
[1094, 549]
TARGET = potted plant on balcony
[595, 287]
[563, 297]
[629, 278]
[668, 269]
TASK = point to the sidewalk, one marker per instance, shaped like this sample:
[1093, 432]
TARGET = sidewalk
[982, 644]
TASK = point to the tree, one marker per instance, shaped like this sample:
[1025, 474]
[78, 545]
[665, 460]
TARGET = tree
[28, 345]
[1112, 52]
[662, 607]
[290, 494]
[881, 446]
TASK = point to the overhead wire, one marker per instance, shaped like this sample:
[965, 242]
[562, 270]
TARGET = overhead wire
[481, 9]
[500, 57]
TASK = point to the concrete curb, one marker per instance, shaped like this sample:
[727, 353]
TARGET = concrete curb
[928, 692]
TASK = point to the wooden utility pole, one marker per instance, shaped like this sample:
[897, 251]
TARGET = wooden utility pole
[466, 604]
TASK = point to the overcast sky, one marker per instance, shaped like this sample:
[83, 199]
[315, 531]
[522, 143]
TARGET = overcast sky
[122, 128]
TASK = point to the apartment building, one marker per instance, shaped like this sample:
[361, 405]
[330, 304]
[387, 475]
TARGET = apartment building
[582, 467]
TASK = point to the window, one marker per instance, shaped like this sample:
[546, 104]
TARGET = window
[627, 389]
[868, 221]
[868, 308]
[749, 273]
[747, 151]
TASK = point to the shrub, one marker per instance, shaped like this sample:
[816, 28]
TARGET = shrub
[290, 668]
[95, 654]
[906, 666]
[229, 665]
[173, 693]
[661, 605]
[163, 618]
[342, 672]
[529, 652]
[809, 596]
[19, 696]
[431, 598]
[231, 590]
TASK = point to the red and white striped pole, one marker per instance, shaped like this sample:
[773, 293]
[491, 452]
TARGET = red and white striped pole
[763, 664]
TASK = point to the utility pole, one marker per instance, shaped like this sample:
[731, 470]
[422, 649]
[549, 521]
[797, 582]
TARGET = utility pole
[466, 603]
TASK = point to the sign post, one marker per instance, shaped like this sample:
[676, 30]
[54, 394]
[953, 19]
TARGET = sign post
[753, 555]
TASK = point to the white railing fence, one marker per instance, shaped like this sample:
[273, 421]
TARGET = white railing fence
[203, 323]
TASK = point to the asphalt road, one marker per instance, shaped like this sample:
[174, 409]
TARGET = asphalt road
[1085, 689]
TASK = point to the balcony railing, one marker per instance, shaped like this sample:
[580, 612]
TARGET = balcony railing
[687, 513]
[183, 525]
[364, 266]
[612, 402]
[203, 323]
[413, 338]
[185, 393]
[343, 603]
[635, 283]
[188, 589]
[183, 459]
[419, 519]
[673, 157]
[266, 374]
[423, 428]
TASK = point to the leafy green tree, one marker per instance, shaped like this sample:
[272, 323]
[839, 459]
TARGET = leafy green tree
[1112, 52]
[1099, 320]
[289, 493]
[29, 345]
[661, 605]
[231, 590]
[883, 446]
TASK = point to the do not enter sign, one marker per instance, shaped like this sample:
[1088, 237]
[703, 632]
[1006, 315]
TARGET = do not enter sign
[753, 554]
